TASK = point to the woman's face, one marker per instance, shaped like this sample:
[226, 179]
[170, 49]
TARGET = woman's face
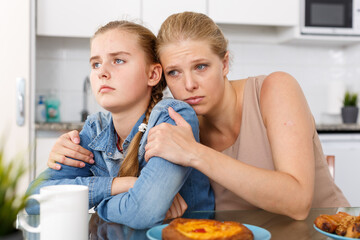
[194, 74]
[119, 77]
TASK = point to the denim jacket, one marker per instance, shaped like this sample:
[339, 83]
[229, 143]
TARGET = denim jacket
[146, 204]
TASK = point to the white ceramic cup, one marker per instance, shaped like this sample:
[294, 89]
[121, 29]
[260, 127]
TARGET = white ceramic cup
[63, 213]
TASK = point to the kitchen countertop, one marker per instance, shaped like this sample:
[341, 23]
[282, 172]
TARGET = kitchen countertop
[61, 126]
[321, 128]
[338, 128]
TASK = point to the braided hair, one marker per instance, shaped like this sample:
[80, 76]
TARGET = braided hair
[146, 40]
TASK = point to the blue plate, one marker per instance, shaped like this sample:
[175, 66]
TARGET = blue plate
[332, 235]
[259, 233]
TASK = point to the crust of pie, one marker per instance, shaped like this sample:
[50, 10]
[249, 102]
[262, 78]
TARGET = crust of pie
[201, 229]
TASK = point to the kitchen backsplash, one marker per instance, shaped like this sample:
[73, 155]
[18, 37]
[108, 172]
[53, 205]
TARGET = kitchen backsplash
[63, 63]
[62, 66]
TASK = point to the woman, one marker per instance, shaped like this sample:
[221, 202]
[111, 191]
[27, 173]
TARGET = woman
[259, 145]
[126, 81]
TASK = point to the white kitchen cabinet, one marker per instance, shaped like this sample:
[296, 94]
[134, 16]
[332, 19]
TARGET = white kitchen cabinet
[43, 148]
[156, 11]
[81, 18]
[255, 12]
[346, 148]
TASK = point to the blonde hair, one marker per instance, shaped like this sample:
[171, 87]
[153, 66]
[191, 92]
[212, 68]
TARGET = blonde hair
[192, 26]
[146, 40]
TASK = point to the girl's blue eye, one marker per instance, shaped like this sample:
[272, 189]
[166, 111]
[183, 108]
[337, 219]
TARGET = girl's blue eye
[96, 65]
[119, 61]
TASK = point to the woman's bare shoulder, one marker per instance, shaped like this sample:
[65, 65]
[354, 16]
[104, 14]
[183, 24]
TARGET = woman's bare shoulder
[279, 84]
[279, 78]
[281, 92]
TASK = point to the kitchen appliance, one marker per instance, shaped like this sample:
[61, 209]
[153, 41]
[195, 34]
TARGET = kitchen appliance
[330, 17]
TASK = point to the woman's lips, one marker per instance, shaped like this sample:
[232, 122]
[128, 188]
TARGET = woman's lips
[194, 100]
[105, 89]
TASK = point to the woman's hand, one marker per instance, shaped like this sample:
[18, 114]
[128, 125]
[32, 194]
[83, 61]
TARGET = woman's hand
[177, 209]
[172, 143]
[66, 147]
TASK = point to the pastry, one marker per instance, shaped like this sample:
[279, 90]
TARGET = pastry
[186, 229]
[342, 224]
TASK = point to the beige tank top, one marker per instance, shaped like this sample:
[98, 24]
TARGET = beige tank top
[252, 147]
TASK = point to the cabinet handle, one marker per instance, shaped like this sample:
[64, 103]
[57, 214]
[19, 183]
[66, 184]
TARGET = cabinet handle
[20, 101]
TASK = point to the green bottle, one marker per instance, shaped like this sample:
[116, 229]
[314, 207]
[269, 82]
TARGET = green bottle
[52, 108]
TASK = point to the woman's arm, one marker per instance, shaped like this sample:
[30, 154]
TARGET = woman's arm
[68, 151]
[289, 189]
[290, 128]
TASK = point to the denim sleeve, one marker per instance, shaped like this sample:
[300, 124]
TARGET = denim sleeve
[99, 187]
[146, 204]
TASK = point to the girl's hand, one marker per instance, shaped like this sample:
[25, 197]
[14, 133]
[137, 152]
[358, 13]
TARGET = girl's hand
[177, 209]
[66, 147]
[122, 184]
[170, 142]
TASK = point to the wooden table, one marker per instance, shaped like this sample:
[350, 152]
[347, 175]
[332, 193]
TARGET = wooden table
[280, 227]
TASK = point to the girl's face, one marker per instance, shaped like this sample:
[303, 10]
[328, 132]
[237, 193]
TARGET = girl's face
[194, 74]
[119, 72]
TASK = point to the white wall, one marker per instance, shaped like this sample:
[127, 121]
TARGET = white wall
[62, 64]
[315, 68]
